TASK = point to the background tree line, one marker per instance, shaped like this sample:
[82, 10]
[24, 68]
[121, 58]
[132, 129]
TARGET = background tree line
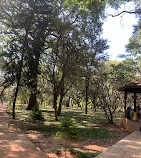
[51, 50]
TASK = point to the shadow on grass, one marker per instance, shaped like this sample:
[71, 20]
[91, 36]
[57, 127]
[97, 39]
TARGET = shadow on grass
[90, 126]
[41, 128]
[82, 119]
[83, 133]
[94, 133]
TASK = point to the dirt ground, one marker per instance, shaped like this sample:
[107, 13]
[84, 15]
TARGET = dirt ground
[47, 143]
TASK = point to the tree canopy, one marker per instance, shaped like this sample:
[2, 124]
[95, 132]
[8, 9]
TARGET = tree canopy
[55, 46]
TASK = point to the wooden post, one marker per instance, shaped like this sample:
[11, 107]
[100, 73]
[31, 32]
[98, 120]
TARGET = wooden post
[125, 97]
[135, 116]
[134, 97]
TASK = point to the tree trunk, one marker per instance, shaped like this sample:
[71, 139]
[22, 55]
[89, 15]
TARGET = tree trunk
[60, 105]
[62, 94]
[111, 118]
[68, 103]
[19, 75]
[78, 103]
[56, 114]
[13, 114]
[33, 69]
[42, 100]
[94, 104]
[33, 83]
[15, 97]
[32, 101]
[55, 106]
[86, 86]
[71, 103]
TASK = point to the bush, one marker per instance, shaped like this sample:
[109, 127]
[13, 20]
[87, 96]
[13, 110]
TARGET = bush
[36, 114]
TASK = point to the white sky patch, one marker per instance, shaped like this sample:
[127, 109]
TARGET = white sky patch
[118, 30]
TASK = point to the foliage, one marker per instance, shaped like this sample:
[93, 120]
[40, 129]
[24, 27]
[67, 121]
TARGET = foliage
[67, 130]
[36, 114]
[77, 32]
[104, 86]
[23, 95]
[54, 35]
[133, 48]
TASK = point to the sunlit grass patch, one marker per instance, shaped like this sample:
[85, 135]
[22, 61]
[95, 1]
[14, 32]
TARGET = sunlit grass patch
[81, 153]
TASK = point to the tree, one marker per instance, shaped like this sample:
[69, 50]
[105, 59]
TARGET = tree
[77, 92]
[27, 20]
[75, 33]
[67, 132]
[105, 84]
[133, 48]
[14, 18]
[13, 62]
[66, 57]
[40, 30]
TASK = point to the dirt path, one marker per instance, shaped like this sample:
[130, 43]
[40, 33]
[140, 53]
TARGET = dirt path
[15, 144]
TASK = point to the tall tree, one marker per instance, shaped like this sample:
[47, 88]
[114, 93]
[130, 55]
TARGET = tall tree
[76, 32]
[15, 46]
[29, 21]
[134, 47]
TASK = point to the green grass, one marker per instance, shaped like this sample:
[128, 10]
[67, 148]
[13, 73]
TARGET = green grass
[94, 133]
[83, 123]
[80, 153]
[84, 153]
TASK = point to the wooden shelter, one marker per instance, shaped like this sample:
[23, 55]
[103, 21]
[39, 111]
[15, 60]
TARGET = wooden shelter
[132, 87]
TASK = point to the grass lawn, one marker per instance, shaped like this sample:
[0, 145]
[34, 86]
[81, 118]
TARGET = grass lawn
[90, 126]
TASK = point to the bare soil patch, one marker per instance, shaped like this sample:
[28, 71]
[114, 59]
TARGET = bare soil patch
[49, 146]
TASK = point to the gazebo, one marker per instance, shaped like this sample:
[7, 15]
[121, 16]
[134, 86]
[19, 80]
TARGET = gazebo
[135, 88]
[132, 87]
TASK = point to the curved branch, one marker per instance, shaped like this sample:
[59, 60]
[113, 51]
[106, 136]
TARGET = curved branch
[130, 12]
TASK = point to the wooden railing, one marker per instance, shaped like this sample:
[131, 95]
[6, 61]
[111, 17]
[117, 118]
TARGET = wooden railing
[130, 125]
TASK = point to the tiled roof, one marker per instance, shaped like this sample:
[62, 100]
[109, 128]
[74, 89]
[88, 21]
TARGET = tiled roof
[134, 85]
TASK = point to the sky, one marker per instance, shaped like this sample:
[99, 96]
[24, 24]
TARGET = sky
[118, 30]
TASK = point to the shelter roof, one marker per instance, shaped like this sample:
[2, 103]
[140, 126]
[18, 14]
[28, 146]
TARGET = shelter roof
[132, 87]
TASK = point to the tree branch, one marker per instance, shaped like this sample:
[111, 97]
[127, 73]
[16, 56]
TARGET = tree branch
[129, 12]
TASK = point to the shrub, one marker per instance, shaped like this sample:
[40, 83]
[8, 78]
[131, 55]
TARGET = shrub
[36, 114]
